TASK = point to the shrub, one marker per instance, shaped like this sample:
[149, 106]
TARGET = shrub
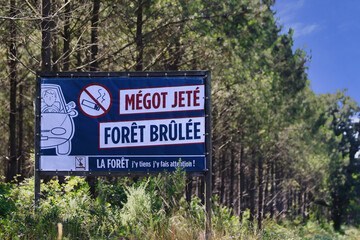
[153, 208]
[7, 205]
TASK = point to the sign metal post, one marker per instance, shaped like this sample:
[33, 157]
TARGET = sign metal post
[37, 142]
[208, 150]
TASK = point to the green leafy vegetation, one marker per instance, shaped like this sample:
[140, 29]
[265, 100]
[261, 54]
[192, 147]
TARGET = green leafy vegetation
[154, 208]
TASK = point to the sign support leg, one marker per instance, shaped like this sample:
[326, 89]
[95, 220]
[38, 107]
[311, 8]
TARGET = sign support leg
[208, 193]
[37, 189]
[208, 150]
[37, 143]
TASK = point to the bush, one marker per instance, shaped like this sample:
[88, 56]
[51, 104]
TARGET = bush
[153, 208]
[7, 205]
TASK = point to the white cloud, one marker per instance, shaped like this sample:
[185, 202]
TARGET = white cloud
[302, 30]
[286, 9]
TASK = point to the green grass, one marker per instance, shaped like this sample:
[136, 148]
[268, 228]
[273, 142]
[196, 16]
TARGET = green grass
[152, 209]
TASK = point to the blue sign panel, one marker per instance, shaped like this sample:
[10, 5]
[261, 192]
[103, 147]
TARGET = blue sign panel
[122, 124]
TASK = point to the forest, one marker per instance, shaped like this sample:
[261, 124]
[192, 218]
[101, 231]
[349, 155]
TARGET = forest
[280, 152]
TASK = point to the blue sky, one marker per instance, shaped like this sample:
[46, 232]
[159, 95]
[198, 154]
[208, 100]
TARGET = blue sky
[330, 32]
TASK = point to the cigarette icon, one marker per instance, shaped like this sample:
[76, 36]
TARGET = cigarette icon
[90, 104]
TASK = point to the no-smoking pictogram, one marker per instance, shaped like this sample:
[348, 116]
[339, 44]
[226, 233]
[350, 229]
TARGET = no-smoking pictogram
[95, 100]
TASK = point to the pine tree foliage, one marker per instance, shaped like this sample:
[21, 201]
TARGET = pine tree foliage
[280, 151]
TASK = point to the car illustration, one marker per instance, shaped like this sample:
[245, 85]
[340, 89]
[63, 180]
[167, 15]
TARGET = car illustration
[57, 124]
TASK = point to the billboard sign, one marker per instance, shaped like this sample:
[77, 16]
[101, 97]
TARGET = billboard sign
[102, 122]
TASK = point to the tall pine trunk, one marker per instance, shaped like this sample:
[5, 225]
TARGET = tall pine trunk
[266, 190]
[252, 187]
[66, 48]
[232, 178]
[260, 194]
[12, 164]
[222, 177]
[139, 37]
[272, 189]
[20, 126]
[242, 183]
[94, 35]
[46, 36]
